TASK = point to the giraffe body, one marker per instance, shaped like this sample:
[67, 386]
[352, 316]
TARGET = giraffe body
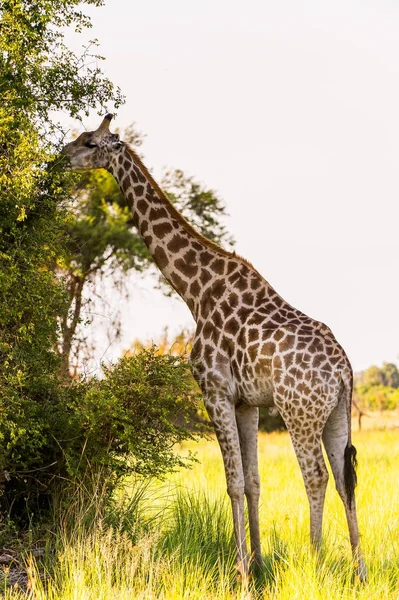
[251, 349]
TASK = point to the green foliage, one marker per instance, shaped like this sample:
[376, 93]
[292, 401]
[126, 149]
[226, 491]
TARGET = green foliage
[387, 375]
[30, 295]
[98, 233]
[128, 422]
[134, 417]
[378, 388]
[39, 74]
[377, 397]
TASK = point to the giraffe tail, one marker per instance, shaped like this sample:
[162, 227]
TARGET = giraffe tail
[350, 462]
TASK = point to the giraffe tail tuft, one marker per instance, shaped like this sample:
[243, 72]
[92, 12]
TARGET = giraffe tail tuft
[350, 462]
[350, 477]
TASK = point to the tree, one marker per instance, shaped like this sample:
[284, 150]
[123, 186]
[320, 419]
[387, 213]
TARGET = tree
[38, 75]
[378, 388]
[373, 376]
[391, 375]
[387, 375]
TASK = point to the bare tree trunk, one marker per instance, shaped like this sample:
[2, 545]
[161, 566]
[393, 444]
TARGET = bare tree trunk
[360, 415]
[69, 328]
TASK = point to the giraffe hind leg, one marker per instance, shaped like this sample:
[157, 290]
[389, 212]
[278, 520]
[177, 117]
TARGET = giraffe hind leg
[342, 460]
[315, 476]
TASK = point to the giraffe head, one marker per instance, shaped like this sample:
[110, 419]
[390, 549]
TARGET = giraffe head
[93, 149]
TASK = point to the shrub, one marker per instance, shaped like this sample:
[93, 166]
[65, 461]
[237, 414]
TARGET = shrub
[377, 397]
[128, 422]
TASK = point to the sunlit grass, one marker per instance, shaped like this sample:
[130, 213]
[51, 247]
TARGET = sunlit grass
[175, 539]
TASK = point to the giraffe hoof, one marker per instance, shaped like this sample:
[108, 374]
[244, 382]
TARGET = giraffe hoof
[256, 562]
[361, 573]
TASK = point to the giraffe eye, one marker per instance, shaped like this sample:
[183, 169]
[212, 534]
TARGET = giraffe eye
[90, 145]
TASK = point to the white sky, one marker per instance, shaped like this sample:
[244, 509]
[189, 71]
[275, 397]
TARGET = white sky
[290, 110]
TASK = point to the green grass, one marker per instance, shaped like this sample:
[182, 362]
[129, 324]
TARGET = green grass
[174, 540]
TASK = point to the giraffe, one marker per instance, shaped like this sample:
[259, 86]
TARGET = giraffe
[251, 349]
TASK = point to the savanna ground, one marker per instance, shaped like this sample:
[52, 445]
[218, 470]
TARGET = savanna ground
[173, 540]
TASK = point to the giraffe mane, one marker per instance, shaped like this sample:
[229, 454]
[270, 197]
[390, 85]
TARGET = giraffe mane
[179, 217]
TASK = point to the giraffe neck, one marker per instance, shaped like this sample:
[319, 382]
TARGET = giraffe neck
[182, 254]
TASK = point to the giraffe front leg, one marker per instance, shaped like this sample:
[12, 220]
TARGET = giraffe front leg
[222, 415]
[247, 419]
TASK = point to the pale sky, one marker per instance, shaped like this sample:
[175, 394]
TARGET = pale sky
[290, 111]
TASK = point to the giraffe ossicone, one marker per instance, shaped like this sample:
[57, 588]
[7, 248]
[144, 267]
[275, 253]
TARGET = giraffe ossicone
[251, 349]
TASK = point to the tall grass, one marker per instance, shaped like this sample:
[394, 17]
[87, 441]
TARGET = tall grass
[174, 540]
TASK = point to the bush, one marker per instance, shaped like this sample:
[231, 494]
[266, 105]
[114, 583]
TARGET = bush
[133, 418]
[62, 437]
[377, 397]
